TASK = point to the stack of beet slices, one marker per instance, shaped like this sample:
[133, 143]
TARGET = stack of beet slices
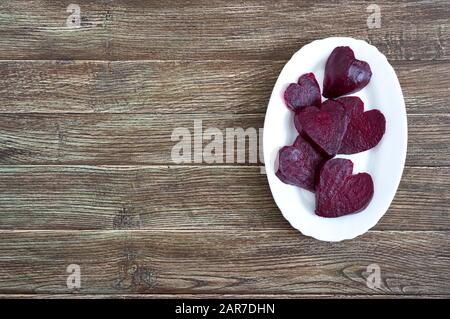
[338, 125]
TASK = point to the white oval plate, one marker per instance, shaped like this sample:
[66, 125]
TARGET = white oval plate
[384, 162]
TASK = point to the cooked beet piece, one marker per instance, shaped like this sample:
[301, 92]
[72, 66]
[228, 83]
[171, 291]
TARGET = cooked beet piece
[325, 126]
[297, 124]
[304, 93]
[364, 131]
[299, 164]
[299, 141]
[340, 193]
[353, 105]
[332, 103]
[344, 74]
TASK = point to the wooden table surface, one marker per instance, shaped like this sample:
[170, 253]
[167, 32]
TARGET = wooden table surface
[87, 177]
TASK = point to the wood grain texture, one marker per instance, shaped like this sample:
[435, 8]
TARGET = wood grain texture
[212, 29]
[143, 139]
[78, 295]
[197, 198]
[86, 174]
[235, 262]
[136, 87]
[180, 86]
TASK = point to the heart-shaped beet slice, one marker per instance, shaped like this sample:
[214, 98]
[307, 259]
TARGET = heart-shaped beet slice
[353, 105]
[297, 122]
[325, 126]
[340, 193]
[364, 131]
[344, 74]
[305, 92]
[328, 104]
[299, 164]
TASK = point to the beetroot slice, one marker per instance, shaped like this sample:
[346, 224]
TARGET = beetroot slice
[299, 141]
[336, 170]
[325, 126]
[304, 93]
[344, 74]
[299, 164]
[364, 132]
[353, 105]
[297, 124]
[340, 193]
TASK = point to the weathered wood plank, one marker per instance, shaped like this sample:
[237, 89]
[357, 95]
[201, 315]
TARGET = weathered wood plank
[78, 295]
[211, 29]
[195, 230]
[235, 262]
[137, 86]
[196, 198]
[135, 139]
[179, 86]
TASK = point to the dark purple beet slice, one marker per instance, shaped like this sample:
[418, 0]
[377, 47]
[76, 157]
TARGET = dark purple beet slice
[297, 124]
[337, 170]
[325, 126]
[344, 74]
[331, 103]
[340, 193]
[299, 141]
[353, 105]
[304, 93]
[364, 131]
[299, 164]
